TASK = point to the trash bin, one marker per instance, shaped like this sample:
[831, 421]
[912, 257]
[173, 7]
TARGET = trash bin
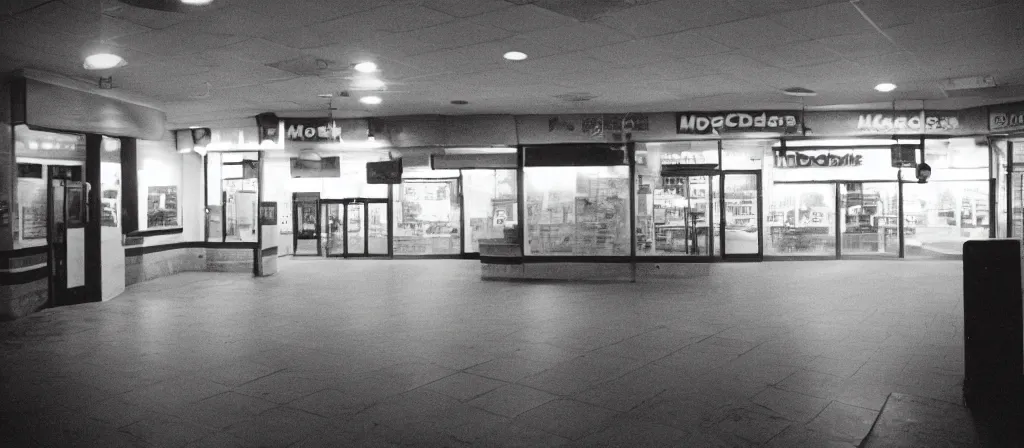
[993, 330]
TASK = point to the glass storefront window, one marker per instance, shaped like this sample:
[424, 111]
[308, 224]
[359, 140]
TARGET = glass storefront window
[490, 201]
[941, 216]
[745, 154]
[232, 196]
[577, 210]
[870, 221]
[800, 220]
[427, 217]
[41, 156]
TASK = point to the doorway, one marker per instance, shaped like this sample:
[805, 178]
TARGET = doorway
[356, 227]
[741, 236]
[67, 209]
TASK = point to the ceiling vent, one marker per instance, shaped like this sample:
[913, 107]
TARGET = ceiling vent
[576, 97]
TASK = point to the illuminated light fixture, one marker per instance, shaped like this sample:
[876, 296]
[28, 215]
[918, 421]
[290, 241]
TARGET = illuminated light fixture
[369, 84]
[326, 95]
[515, 56]
[193, 127]
[33, 145]
[197, 2]
[47, 145]
[371, 100]
[366, 67]
[103, 61]
[885, 87]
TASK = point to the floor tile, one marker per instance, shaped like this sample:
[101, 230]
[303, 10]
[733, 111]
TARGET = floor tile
[464, 386]
[281, 387]
[511, 400]
[791, 405]
[278, 427]
[220, 411]
[844, 420]
[567, 418]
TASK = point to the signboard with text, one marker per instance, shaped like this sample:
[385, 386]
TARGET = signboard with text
[817, 159]
[712, 123]
[1006, 118]
[889, 122]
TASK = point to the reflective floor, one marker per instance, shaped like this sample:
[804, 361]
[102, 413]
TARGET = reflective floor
[334, 353]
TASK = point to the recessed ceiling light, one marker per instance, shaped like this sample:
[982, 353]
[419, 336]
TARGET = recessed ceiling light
[515, 56]
[885, 87]
[193, 127]
[103, 61]
[366, 67]
[197, 2]
[460, 102]
[326, 95]
[370, 100]
[799, 91]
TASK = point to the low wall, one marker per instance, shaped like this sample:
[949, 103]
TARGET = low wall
[24, 288]
[147, 262]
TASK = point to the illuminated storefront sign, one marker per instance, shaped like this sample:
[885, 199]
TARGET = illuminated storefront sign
[888, 122]
[817, 159]
[311, 131]
[907, 122]
[703, 123]
[1008, 117]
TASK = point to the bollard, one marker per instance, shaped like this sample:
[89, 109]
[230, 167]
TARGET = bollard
[993, 330]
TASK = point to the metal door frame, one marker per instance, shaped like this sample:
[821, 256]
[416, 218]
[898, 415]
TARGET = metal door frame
[295, 227]
[759, 256]
[344, 203]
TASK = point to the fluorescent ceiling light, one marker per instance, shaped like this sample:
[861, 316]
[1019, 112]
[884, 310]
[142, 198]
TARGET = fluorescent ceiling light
[885, 87]
[103, 61]
[197, 2]
[515, 56]
[366, 67]
[370, 100]
[368, 84]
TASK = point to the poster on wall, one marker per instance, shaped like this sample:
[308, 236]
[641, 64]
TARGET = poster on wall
[268, 213]
[162, 207]
[30, 213]
[714, 123]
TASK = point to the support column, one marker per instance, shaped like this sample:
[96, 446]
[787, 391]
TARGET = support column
[129, 186]
[93, 236]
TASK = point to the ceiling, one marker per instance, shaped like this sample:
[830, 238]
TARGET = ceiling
[237, 58]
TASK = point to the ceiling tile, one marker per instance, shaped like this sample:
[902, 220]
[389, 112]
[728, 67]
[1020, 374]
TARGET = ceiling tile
[444, 36]
[60, 18]
[579, 36]
[465, 8]
[523, 19]
[769, 7]
[793, 54]
[859, 45]
[751, 33]
[174, 41]
[668, 16]
[824, 21]
[560, 64]
[484, 56]
[888, 13]
[633, 53]
[258, 50]
[11, 7]
[308, 12]
[688, 44]
[376, 23]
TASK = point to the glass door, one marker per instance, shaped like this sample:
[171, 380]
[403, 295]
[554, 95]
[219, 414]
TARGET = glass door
[355, 228]
[870, 221]
[741, 218]
[377, 228]
[334, 243]
[675, 216]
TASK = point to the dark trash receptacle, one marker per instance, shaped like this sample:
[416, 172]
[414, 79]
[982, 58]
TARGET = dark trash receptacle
[993, 330]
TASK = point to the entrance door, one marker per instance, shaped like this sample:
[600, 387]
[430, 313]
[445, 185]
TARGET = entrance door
[742, 235]
[869, 219]
[355, 227]
[67, 210]
[677, 215]
[306, 222]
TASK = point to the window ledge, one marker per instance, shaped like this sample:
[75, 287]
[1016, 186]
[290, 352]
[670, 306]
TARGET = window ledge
[155, 232]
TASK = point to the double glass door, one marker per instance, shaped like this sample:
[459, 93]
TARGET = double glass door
[355, 227]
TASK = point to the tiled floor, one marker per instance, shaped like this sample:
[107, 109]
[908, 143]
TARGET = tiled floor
[423, 353]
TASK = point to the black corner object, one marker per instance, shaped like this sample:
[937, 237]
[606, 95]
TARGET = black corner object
[993, 330]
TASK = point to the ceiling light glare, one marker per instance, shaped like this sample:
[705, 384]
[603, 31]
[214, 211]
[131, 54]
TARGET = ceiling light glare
[103, 61]
[369, 84]
[370, 100]
[366, 67]
[197, 2]
[885, 87]
[515, 56]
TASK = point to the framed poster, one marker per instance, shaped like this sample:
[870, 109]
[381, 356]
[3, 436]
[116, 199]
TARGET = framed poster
[268, 213]
[162, 207]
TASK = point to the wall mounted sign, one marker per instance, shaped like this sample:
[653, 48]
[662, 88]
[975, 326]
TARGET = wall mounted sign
[797, 159]
[322, 130]
[704, 123]
[908, 122]
[888, 122]
[386, 172]
[1007, 117]
[324, 167]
